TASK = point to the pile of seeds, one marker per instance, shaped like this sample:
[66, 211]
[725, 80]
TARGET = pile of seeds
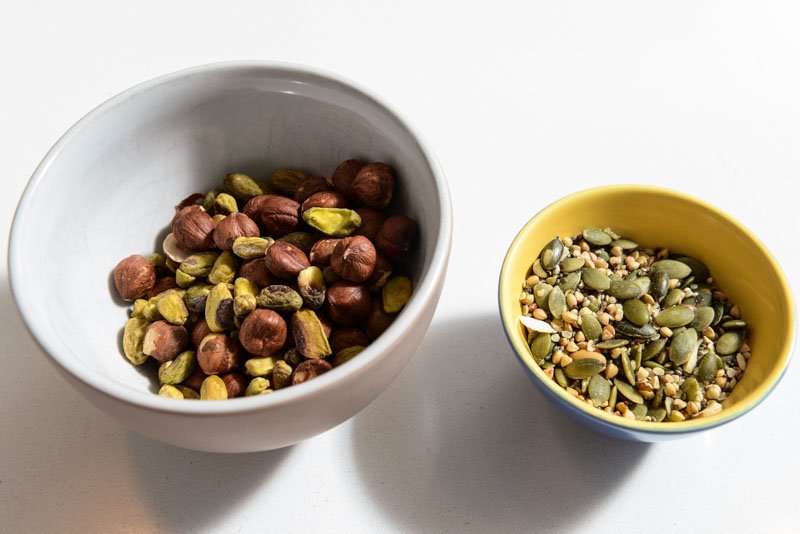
[267, 285]
[641, 333]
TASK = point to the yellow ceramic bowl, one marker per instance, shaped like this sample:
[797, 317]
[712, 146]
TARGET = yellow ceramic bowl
[656, 217]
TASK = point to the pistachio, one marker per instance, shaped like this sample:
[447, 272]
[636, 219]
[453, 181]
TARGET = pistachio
[199, 264]
[133, 340]
[396, 293]
[172, 308]
[311, 285]
[281, 375]
[184, 280]
[241, 186]
[287, 181]
[187, 392]
[280, 298]
[139, 306]
[595, 279]
[225, 204]
[309, 337]
[171, 392]
[196, 296]
[673, 268]
[636, 312]
[345, 355]
[260, 366]
[249, 248]
[257, 386]
[336, 222]
[224, 269]
[219, 308]
[675, 316]
[243, 304]
[551, 254]
[243, 286]
[213, 388]
[177, 370]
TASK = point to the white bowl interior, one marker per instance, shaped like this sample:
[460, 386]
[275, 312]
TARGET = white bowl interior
[109, 187]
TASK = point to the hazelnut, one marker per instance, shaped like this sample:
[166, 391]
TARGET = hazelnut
[374, 184]
[302, 240]
[235, 383]
[162, 284]
[310, 369]
[279, 215]
[263, 332]
[195, 380]
[285, 260]
[371, 222]
[217, 354]
[325, 199]
[321, 252]
[348, 303]
[256, 271]
[134, 277]
[233, 226]
[348, 337]
[199, 331]
[378, 320]
[381, 273]
[354, 258]
[193, 229]
[344, 175]
[310, 186]
[396, 236]
[164, 341]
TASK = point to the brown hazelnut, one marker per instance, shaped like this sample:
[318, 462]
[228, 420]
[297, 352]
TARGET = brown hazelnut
[164, 341]
[310, 186]
[354, 258]
[325, 199]
[378, 320]
[217, 354]
[371, 222]
[193, 228]
[348, 337]
[195, 380]
[344, 175]
[134, 277]
[302, 240]
[162, 284]
[285, 260]
[381, 273]
[256, 271]
[397, 236]
[310, 369]
[321, 252]
[278, 215]
[374, 185]
[347, 303]
[235, 383]
[233, 226]
[199, 331]
[263, 332]
[327, 325]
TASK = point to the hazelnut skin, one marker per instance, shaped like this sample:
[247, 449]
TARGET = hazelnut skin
[217, 354]
[371, 222]
[310, 369]
[235, 383]
[134, 277]
[347, 303]
[285, 260]
[279, 215]
[193, 228]
[354, 258]
[374, 185]
[309, 187]
[162, 284]
[321, 252]
[378, 320]
[324, 199]
[164, 341]
[348, 337]
[195, 380]
[199, 331]
[344, 175]
[233, 226]
[381, 273]
[397, 236]
[256, 271]
[263, 332]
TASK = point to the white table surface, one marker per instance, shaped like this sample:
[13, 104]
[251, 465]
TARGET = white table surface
[523, 104]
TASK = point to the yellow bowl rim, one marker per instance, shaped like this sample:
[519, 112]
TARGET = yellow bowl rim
[506, 303]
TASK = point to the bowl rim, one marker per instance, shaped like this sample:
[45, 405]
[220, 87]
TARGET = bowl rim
[762, 390]
[425, 295]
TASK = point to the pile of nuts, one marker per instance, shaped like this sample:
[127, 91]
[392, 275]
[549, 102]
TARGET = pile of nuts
[267, 285]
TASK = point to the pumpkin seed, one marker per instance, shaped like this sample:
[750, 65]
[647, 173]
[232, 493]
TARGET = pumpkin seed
[536, 325]
[707, 370]
[691, 363]
[643, 282]
[672, 298]
[570, 281]
[681, 346]
[585, 368]
[653, 349]
[657, 414]
[612, 397]
[625, 244]
[541, 292]
[561, 377]
[596, 237]
[675, 316]
[698, 269]
[630, 330]
[703, 297]
[569, 265]
[611, 344]
[702, 318]
[624, 289]
[556, 302]
[602, 254]
[658, 398]
[686, 282]
[537, 269]
[628, 391]
[627, 369]
[595, 279]
[636, 356]
[599, 390]
[551, 254]
[691, 387]
[734, 324]
[636, 312]
[730, 342]
[673, 268]
[659, 285]
[719, 312]
[591, 327]
[541, 346]
[640, 412]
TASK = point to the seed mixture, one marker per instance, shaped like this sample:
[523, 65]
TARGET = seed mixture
[641, 333]
[268, 285]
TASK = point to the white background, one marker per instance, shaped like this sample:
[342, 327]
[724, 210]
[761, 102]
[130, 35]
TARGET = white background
[523, 104]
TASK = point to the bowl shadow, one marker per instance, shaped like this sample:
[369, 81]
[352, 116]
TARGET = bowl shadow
[463, 438]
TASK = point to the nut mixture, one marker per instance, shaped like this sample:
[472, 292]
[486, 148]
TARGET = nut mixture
[266, 285]
[641, 333]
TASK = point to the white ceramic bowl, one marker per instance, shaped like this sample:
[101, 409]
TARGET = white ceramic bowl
[108, 188]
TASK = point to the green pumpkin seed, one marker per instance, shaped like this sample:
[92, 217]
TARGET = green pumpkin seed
[682, 345]
[691, 387]
[703, 297]
[657, 414]
[734, 324]
[570, 281]
[625, 244]
[630, 330]
[640, 412]
[603, 254]
[627, 369]
[707, 370]
[551, 254]
[698, 269]
[691, 363]
[628, 391]
[730, 342]
[675, 316]
[624, 290]
[541, 292]
[584, 368]
[644, 283]
[599, 390]
[596, 237]
[556, 302]
[611, 344]
[672, 298]
[591, 327]
[702, 318]
[561, 377]
[673, 268]
[569, 265]
[686, 282]
[537, 269]
[658, 398]
[541, 346]
[653, 349]
[595, 279]
[719, 312]
[659, 285]
[636, 312]
[584, 385]
[612, 397]
[636, 356]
